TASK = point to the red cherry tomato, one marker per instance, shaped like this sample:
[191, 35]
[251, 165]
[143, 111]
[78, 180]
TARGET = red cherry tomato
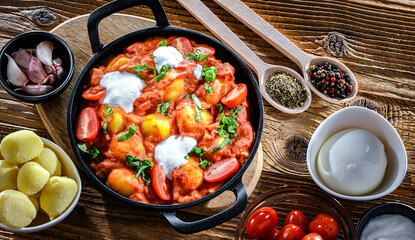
[87, 125]
[94, 93]
[183, 45]
[261, 222]
[272, 235]
[312, 236]
[221, 170]
[160, 183]
[236, 96]
[291, 232]
[324, 225]
[297, 217]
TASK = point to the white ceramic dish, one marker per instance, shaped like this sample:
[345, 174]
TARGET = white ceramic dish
[359, 117]
[41, 222]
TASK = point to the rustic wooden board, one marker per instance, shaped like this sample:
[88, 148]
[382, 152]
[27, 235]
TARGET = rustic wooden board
[53, 113]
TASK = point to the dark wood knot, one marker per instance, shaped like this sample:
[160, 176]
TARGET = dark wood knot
[363, 102]
[335, 42]
[296, 148]
[43, 16]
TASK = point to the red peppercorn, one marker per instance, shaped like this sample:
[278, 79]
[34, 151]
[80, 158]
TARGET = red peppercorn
[331, 90]
[341, 80]
[324, 81]
[333, 79]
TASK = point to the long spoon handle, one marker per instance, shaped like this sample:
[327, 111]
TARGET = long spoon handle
[261, 27]
[217, 27]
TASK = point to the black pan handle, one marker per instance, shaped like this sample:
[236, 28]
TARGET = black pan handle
[214, 220]
[100, 13]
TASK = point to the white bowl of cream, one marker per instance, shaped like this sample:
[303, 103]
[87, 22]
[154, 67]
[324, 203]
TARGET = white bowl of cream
[356, 154]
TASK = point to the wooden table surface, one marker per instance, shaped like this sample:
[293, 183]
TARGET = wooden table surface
[376, 39]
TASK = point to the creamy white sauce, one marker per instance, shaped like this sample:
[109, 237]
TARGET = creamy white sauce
[170, 153]
[198, 72]
[352, 162]
[167, 55]
[123, 89]
[389, 227]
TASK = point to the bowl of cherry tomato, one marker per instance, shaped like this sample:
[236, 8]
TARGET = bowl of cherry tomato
[295, 213]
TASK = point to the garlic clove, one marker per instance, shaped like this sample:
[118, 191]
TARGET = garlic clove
[15, 75]
[57, 61]
[60, 72]
[50, 69]
[30, 51]
[35, 90]
[44, 52]
[35, 71]
[21, 57]
[52, 78]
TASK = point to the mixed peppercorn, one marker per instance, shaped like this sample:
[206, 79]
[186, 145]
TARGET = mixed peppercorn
[330, 80]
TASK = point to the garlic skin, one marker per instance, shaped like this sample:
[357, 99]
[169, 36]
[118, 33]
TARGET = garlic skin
[35, 90]
[15, 75]
[52, 78]
[44, 52]
[36, 72]
[21, 57]
[60, 72]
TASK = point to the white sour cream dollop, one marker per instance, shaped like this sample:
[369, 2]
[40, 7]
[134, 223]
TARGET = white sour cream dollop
[352, 162]
[170, 153]
[166, 55]
[198, 72]
[123, 88]
[389, 227]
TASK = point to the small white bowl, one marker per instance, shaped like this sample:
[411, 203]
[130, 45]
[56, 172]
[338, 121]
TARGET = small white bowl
[359, 117]
[69, 170]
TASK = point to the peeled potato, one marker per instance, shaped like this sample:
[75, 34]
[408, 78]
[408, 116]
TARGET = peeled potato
[31, 178]
[16, 209]
[21, 146]
[49, 161]
[57, 195]
[35, 200]
[8, 175]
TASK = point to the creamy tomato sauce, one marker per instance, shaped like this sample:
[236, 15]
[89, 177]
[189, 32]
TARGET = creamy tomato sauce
[182, 87]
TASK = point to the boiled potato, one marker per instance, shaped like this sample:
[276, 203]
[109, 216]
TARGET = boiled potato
[123, 181]
[21, 146]
[16, 209]
[57, 195]
[133, 145]
[116, 122]
[35, 200]
[175, 90]
[8, 175]
[31, 178]
[186, 119]
[49, 161]
[156, 125]
[191, 175]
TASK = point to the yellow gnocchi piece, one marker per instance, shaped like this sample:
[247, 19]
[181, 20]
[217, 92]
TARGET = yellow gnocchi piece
[133, 145]
[116, 122]
[21, 146]
[186, 121]
[35, 200]
[16, 209]
[156, 124]
[57, 195]
[192, 175]
[122, 181]
[49, 161]
[31, 178]
[8, 175]
[175, 90]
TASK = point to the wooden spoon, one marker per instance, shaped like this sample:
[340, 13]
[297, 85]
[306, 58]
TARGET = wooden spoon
[262, 69]
[261, 27]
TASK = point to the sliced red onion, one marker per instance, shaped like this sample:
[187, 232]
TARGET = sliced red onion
[52, 78]
[35, 90]
[15, 75]
[21, 57]
[44, 52]
[57, 61]
[35, 71]
[60, 72]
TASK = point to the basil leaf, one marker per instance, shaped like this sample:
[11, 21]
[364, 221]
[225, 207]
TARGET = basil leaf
[154, 70]
[220, 108]
[108, 111]
[221, 146]
[127, 135]
[204, 164]
[209, 73]
[199, 153]
[139, 68]
[197, 56]
[92, 152]
[139, 166]
[199, 108]
[152, 56]
[187, 96]
[208, 88]
[163, 108]
[163, 43]
[160, 76]
[162, 72]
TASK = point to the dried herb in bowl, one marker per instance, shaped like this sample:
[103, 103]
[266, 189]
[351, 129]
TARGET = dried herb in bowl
[286, 90]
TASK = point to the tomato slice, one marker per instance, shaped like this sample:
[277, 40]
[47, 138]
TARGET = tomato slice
[236, 96]
[160, 183]
[87, 124]
[183, 45]
[261, 223]
[94, 93]
[221, 170]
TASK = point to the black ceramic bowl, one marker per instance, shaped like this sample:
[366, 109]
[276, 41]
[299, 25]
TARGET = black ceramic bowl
[164, 29]
[386, 208]
[30, 40]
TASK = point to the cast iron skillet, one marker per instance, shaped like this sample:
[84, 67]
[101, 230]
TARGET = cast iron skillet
[163, 29]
